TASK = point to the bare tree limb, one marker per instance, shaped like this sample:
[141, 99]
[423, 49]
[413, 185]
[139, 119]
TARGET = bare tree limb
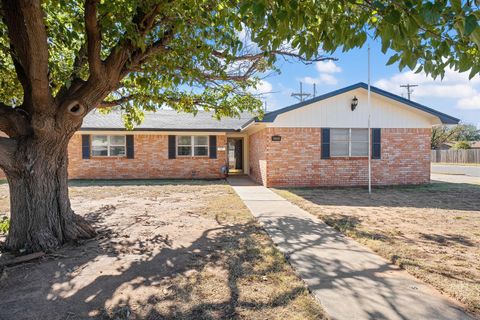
[155, 48]
[28, 38]
[120, 101]
[94, 43]
[260, 55]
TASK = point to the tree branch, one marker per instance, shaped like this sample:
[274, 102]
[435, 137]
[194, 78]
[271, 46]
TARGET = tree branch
[260, 55]
[155, 48]
[28, 38]
[94, 43]
[120, 101]
[14, 121]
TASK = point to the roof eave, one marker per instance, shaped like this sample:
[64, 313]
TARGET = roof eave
[444, 118]
[159, 129]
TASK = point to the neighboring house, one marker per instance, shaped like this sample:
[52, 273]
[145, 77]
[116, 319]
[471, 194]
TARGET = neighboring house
[319, 142]
[475, 145]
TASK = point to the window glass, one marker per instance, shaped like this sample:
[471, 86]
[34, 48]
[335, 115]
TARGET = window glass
[184, 140]
[359, 149]
[339, 142]
[117, 151]
[184, 151]
[108, 146]
[339, 149]
[339, 135]
[99, 141]
[201, 151]
[360, 135]
[349, 142]
[359, 142]
[99, 151]
[117, 140]
[197, 144]
[201, 140]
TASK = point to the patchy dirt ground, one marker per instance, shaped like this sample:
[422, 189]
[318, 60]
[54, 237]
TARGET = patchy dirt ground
[164, 251]
[432, 231]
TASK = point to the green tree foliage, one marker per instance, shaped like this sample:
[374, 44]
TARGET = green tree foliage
[461, 132]
[461, 145]
[4, 225]
[194, 56]
[466, 132]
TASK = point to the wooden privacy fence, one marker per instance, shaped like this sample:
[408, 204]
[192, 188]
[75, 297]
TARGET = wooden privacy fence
[456, 156]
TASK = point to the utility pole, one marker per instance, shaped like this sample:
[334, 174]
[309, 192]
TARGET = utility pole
[409, 89]
[314, 90]
[300, 95]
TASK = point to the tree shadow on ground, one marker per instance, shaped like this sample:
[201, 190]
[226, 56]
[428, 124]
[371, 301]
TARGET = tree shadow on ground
[154, 280]
[347, 272]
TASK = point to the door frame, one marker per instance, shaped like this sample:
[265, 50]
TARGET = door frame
[244, 138]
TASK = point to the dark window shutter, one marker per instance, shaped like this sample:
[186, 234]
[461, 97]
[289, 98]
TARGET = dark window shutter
[325, 143]
[213, 147]
[171, 147]
[376, 143]
[130, 146]
[85, 146]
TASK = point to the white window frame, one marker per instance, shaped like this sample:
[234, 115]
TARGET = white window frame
[192, 145]
[109, 145]
[350, 143]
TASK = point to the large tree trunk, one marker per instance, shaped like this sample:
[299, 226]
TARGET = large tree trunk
[41, 215]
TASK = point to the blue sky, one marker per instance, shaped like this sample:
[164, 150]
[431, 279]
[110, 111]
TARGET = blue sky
[455, 95]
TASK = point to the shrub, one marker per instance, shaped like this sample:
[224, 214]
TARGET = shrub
[4, 225]
[461, 145]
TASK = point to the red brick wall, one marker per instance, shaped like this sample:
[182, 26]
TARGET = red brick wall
[150, 162]
[257, 156]
[295, 160]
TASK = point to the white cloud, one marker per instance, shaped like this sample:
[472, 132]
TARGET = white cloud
[454, 86]
[263, 87]
[327, 67]
[471, 103]
[325, 76]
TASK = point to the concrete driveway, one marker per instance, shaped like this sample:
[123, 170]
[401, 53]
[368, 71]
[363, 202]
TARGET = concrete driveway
[454, 178]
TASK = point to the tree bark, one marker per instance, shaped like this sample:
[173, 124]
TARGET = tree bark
[41, 215]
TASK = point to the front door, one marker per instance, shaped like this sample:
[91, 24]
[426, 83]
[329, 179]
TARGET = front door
[235, 154]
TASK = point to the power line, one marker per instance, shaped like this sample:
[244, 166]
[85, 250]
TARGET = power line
[409, 89]
[301, 96]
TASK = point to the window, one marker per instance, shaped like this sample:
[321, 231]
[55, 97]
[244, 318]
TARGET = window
[349, 142]
[108, 146]
[192, 145]
[184, 145]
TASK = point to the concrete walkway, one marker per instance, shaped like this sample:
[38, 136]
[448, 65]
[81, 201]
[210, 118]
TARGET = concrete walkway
[349, 280]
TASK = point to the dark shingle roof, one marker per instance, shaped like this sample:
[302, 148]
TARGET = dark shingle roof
[445, 118]
[169, 120]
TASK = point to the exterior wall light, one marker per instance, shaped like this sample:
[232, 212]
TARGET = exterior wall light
[354, 103]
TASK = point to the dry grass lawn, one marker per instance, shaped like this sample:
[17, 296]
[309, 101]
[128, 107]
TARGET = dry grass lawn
[432, 231]
[165, 250]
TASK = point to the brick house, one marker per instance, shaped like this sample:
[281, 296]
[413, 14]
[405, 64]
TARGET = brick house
[319, 142]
